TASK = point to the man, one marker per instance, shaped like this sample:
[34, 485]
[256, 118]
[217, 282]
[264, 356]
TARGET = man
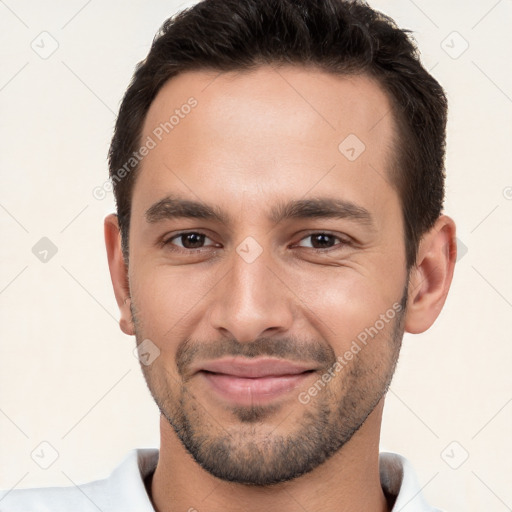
[279, 179]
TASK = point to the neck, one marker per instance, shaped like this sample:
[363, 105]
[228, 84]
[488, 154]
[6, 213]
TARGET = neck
[349, 481]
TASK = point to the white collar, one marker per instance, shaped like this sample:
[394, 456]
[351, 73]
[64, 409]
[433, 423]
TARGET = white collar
[396, 474]
[124, 490]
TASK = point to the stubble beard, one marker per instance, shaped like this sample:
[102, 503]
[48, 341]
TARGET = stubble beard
[250, 449]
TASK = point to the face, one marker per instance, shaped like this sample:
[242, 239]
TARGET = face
[267, 265]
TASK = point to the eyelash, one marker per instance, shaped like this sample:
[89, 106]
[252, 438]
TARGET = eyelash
[342, 242]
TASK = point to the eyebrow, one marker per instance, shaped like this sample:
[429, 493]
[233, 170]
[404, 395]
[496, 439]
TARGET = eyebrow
[171, 207]
[322, 207]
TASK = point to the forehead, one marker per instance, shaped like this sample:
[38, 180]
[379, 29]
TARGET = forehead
[282, 95]
[261, 133]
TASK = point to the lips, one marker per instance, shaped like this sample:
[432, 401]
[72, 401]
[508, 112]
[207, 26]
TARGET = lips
[251, 381]
[255, 368]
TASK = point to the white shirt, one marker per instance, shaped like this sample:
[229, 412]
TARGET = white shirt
[124, 490]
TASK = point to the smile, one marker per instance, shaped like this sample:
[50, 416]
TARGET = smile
[253, 381]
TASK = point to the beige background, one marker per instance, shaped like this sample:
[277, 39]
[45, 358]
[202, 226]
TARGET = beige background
[68, 376]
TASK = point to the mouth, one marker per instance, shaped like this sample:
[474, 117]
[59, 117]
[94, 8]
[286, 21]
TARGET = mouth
[250, 382]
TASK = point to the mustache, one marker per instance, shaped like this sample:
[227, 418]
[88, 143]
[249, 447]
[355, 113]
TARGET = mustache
[284, 348]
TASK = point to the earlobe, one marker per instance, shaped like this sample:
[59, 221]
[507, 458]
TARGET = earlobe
[118, 272]
[431, 276]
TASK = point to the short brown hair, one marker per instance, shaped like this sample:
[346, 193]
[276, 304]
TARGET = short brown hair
[337, 36]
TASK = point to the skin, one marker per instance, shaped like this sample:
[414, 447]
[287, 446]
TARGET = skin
[256, 140]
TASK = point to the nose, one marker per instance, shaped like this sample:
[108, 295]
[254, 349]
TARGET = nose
[251, 301]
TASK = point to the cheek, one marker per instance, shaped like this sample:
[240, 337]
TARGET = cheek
[343, 303]
[167, 300]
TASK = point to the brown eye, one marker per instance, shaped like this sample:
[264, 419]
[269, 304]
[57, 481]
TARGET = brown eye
[191, 240]
[321, 241]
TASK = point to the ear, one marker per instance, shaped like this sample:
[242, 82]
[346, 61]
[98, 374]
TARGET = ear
[431, 276]
[118, 272]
